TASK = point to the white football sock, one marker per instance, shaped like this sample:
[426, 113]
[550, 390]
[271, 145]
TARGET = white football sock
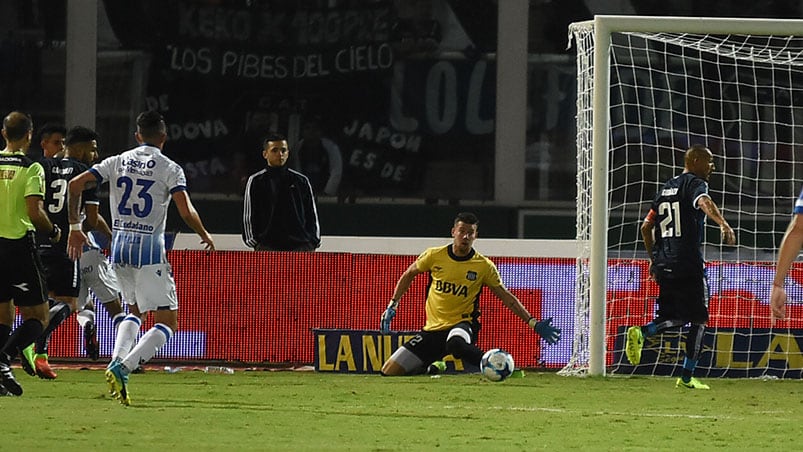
[126, 336]
[117, 319]
[84, 316]
[148, 345]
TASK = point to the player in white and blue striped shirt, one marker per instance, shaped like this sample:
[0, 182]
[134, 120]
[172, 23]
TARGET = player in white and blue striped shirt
[142, 182]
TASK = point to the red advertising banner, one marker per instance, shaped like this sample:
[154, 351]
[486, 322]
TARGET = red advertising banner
[251, 307]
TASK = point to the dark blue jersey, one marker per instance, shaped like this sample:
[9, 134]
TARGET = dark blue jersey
[678, 229]
[58, 173]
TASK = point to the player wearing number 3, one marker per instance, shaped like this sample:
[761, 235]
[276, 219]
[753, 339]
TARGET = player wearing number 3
[672, 233]
[457, 275]
[142, 181]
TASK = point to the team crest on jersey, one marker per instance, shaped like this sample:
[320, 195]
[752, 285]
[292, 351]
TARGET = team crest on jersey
[471, 275]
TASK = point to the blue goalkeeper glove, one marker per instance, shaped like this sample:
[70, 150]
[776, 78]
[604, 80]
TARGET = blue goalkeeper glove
[544, 328]
[387, 316]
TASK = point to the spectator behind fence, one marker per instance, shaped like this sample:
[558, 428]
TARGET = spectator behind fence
[279, 212]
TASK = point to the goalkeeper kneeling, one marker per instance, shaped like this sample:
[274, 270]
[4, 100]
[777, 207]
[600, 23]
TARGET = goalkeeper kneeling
[458, 273]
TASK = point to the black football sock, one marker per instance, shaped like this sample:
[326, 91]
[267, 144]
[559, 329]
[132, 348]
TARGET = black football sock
[58, 314]
[22, 337]
[5, 331]
[460, 349]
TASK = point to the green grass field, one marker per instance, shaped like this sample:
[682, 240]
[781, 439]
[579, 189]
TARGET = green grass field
[261, 410]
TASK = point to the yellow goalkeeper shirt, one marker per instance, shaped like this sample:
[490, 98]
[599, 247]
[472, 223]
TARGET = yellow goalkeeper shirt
[453, 294]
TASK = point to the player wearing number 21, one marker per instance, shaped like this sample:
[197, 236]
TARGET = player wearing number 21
[457, 275]
[672, 233]
[142, 181]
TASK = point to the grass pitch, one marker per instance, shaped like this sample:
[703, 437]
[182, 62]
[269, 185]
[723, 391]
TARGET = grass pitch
[260, 410]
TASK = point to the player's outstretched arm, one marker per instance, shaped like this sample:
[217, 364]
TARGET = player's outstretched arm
[191, 217]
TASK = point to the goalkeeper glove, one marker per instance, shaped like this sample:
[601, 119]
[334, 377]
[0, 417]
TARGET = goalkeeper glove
[544, 328]
[387, 316]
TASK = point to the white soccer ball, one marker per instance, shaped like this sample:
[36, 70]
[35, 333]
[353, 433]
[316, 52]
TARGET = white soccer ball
[496, 364]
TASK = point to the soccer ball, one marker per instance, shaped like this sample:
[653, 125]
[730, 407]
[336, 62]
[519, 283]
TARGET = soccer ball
[496, 364]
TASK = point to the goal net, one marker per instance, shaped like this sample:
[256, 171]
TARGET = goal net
[648, 89]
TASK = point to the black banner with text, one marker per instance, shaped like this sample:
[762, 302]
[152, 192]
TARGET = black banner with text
[370, 76]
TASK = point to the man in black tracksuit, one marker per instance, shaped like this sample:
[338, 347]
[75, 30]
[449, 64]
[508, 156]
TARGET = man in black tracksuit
[279, 212]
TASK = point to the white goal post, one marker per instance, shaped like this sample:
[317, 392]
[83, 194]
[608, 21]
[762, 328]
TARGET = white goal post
[735, 85]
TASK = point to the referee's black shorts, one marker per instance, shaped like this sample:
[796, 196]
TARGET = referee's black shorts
[23, 275]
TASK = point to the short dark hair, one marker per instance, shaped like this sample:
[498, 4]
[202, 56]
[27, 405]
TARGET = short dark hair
[17, 125]
[467, 218]
[80, 134]
[50, 128]
[273, 136]
[151, 124]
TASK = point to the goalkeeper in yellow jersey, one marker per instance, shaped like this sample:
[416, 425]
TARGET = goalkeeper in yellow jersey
[458, 273]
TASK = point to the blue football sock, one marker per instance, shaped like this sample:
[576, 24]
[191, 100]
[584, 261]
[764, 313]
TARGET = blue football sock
[688, 369]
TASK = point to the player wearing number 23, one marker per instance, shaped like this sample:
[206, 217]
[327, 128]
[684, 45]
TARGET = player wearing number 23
[142, 182]
[672, 234]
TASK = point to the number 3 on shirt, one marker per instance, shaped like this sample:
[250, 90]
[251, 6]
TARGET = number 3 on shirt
[142, 205]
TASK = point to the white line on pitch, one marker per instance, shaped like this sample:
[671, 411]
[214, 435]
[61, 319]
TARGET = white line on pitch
[616, 413]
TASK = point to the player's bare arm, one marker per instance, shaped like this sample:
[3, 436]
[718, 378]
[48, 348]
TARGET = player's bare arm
[402, 285]
[790, 247]
[404, 282]
[708, 206]
[77, 239]
[647, 232]
[190, 216]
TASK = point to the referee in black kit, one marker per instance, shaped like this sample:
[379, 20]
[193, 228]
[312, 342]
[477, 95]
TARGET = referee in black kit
[21, 193]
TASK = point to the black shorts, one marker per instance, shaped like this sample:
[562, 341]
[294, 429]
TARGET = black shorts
[430, 346]
[61, 274]
[23, 275]
[684, 299]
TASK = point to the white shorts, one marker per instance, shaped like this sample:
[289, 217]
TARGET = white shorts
[150, 287]
[98, 277]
